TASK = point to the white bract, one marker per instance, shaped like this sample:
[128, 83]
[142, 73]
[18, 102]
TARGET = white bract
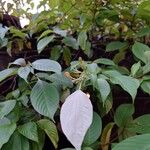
[76, 117]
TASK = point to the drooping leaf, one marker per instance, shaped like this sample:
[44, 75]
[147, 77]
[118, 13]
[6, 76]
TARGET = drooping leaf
[123, 114]
[76, 117]
[29, 130]
[94, 131]
[23, 72]
[47, 65]
[128, 83]
[44, 42]
[139, 142]
[104, 88]
[45, 98]
[50, 129]
[17, 141]
[6, 107]
[105, 138]
[7, 73]
[117, 45]
[6, 130]
[140, 124]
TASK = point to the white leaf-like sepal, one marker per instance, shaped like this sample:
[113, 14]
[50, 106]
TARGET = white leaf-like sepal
[76, 117]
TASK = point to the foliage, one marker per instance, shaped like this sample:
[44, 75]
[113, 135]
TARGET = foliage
[88, 42]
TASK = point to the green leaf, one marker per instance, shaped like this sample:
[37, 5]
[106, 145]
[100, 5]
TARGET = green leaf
[106, 135]
[56, 52]
[44, 42]
[60, 79]
[146, 86]
[50, 129]
[29, 130]
[67, 55]
[104, 61]
[71, 42]
[17, 141]
[47, 65]
[140, 125]
[3, 31]
[6, 131]
[144, 32]
[7, 73]
[45, 33]
[146, 68]
[104, 88]
[139, 142]
[138, 50]
[128, 83]
[40, 144]
[135, 68]
[6, 107]
[82, 39]
[123, 114]
[117, 45]
[58, 31]
[45, 98]
[94, 131]
[23, 72]
[19, 62]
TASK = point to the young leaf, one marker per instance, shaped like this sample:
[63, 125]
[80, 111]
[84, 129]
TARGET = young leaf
[50, 129]
[6, 131]
[76, 117]
[6, 107]
[44, 42]
[117, 45]
[17, 140]
[123, 114]
[94, 131]
[104, 88]
[139, 142]
[29, 130]
[45, 98]
[47, 65]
